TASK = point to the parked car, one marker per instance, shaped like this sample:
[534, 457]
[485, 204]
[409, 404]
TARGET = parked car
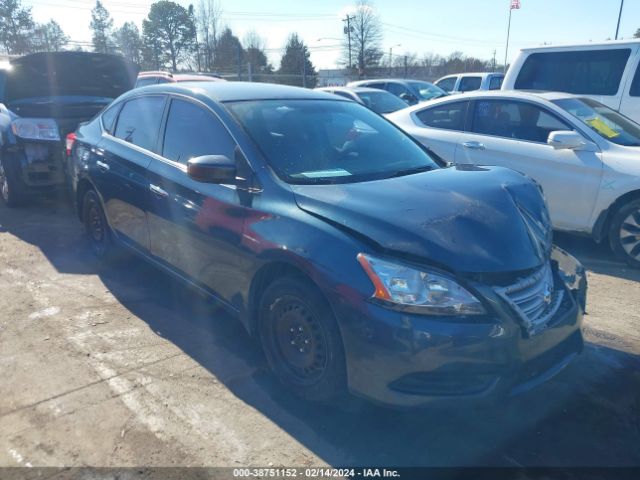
[468, 82]
[411, 91]
[304, 214]
[156, 77]
[44, 96]
[582, 153]
[379, 101]
[608, 72]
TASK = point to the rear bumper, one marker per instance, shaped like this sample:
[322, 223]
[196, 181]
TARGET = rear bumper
[411, 360]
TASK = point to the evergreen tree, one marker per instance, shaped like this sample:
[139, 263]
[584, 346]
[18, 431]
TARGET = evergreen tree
[296, 67]
[101, 26]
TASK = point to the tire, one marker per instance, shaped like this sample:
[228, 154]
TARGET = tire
[10, 185]
[624, 234]
[96, 226]
[301, 339]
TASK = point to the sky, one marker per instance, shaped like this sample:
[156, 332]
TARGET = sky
[475, 27]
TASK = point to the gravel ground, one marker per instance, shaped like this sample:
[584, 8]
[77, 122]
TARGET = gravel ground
[117, 365]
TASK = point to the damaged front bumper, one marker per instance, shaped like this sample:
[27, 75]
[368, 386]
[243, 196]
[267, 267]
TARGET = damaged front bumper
[413, 360]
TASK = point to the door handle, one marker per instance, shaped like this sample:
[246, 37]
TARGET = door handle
[158, 191]
[102, 166]
[473, 145]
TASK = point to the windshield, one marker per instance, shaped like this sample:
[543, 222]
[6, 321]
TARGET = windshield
[606, 122]
[381, 101]
[324, 141]
[427, 91]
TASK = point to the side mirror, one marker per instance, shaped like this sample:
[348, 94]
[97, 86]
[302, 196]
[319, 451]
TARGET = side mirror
[212, 169]
[569, 140]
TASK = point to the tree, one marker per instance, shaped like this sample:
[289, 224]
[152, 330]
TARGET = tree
[16, 26]
[228, 54]
[637, 34]
[48, 37]
[129, 42]
[295, 65]
[254, 53]
[208, 25]
[101, 26]
[366, 37]
[169, 32]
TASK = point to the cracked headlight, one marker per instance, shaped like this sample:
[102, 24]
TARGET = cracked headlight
[418, 291]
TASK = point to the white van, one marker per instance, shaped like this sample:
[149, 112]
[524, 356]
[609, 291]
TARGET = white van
[607, 72]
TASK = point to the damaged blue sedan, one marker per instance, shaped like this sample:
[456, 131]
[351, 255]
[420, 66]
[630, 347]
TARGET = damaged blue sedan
[358, 259]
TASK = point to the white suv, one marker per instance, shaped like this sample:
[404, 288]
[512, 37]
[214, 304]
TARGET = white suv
[585, 155]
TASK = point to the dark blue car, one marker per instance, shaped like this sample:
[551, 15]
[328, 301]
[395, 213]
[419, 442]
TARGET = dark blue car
[357, 259]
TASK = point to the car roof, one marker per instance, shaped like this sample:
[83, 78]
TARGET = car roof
[470, 74]
[514, 94]
[354, 89]
[240, 91]
[377, 80]
[585, 46]
[191, 77]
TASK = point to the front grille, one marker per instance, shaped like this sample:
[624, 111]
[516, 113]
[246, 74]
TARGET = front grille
[534, 298]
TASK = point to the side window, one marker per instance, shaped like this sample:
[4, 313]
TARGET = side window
[449, 116]
[468, 84]
[379, 86]
[516, 120]
[139, 121]
[589, 72]
[192, 131]
[495, 83]
[397, 89]
[634, 91]
[109, 117]
[447, 84]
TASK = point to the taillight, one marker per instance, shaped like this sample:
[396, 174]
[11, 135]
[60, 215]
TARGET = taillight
[70, 140]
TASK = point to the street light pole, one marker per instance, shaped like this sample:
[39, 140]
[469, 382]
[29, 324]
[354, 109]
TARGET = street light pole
[506, 50]
[619, 16]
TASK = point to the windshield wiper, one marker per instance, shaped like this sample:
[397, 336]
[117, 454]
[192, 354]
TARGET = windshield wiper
[410, 171]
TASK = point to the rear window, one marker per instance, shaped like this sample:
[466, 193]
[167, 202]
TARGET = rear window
[449, 116]
[589, 72]
[144, 81]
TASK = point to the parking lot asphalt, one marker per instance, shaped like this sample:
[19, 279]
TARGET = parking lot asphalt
[117, 364]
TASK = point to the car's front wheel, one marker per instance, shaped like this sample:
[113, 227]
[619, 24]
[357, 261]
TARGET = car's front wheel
[301, 339]
[624, 235]
[95, 224]
[9, 190]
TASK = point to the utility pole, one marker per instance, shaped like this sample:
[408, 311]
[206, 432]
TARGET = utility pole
[619, 16]
[347, 31]
[406, 67]
[494, 61]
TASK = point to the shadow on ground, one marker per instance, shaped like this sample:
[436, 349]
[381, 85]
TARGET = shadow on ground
[588, 415]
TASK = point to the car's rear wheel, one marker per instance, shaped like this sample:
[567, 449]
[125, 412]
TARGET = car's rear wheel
[624, 235]
[9, 189]
[301, 339]
[95, 224]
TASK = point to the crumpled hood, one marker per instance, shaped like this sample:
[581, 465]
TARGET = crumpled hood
[475, 220]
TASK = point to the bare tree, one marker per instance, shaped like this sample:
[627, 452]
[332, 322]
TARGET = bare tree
[366, 36]
[208, 20]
